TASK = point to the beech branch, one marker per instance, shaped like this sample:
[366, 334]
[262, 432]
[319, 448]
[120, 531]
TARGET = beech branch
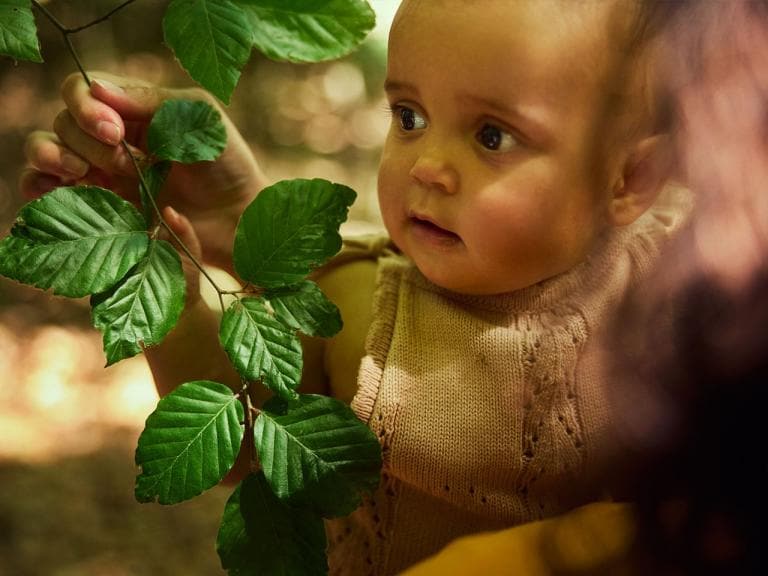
[66, 32]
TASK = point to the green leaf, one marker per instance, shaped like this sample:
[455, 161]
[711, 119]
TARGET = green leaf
[290, 228]
[261, 347]
[261, 536]
[18, 33]
[155, 177]
[212, 39]
[186, 131]
[305, 308]
[308, 30]
[189, 443]
[317, 453]
[144, 306]
[77, 240]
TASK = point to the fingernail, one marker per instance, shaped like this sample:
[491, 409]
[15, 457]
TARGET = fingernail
[75, 166]
[171, 214]
[108, 132]
[108, 86]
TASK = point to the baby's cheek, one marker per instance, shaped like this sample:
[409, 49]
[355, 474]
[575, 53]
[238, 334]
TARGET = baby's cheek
[503, 224]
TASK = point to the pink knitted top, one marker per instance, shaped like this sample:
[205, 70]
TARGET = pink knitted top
[489, 409]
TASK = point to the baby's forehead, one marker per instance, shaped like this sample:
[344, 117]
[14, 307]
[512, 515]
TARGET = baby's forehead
[584, 34]
[607, 23]
[565, 56]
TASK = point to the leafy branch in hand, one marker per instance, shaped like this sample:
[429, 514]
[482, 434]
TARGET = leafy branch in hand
[316, 457]
[144, 187]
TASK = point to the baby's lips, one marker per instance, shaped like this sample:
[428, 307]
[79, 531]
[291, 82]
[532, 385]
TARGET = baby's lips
[429, 221]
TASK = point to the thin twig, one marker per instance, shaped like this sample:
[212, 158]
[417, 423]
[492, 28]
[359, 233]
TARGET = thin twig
[51, 17]
[67, 30]
[100, 19]
[72, 51]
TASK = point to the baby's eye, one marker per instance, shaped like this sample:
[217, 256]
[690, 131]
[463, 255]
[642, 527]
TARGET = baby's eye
[409, 119]
[494, 138]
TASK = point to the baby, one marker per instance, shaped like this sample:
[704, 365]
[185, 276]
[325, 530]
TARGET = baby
[515, 185]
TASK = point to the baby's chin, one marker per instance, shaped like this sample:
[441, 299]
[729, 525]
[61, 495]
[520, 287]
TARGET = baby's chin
[469, 282]
[450, 271]
[464, 282]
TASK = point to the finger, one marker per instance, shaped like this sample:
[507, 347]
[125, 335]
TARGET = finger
[185, 233]
[46, 153]
[33, 183]
[184, 230]
[110, 159]
[133, 99]
[137, 100]
[102, 108]
[94, 117]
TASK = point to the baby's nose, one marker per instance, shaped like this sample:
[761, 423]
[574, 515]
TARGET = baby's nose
[435, 171]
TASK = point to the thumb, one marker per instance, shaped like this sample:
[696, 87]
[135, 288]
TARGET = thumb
[132, 99]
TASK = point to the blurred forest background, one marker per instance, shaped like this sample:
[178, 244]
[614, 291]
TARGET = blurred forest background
[68, 426]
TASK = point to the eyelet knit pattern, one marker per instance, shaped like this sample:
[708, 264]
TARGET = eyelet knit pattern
[490, 410]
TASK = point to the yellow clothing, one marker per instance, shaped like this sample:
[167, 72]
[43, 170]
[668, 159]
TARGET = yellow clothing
[588, 540]
[489, 409]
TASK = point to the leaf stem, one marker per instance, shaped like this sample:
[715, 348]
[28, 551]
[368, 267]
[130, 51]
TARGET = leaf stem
[250, 410]
[236, 293]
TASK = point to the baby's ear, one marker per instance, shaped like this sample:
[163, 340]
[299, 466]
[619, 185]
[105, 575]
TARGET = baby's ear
[646, 170]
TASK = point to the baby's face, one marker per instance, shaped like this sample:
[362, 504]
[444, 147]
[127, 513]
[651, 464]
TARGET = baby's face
[488, 179]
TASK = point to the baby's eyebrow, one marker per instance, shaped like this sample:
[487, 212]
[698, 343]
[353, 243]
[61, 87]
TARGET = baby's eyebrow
[397, 86]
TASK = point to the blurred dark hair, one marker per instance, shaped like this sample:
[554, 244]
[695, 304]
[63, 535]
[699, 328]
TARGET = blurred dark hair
[689, 352]
[696, 469]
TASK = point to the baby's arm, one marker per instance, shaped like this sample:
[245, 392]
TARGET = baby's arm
[351, 287]
[191, 350]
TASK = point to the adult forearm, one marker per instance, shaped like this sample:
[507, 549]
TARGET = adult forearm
[191, 352]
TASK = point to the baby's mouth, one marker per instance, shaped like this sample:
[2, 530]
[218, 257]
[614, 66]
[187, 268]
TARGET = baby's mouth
[432, 231]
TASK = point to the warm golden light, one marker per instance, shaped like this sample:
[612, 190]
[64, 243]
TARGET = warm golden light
[56, 399]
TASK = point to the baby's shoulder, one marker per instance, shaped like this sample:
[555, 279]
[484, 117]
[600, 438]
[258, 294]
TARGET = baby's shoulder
[351, 274]
[349, 280]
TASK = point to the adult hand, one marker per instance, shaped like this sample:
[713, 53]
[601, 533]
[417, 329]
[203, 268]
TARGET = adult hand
[85, 148]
